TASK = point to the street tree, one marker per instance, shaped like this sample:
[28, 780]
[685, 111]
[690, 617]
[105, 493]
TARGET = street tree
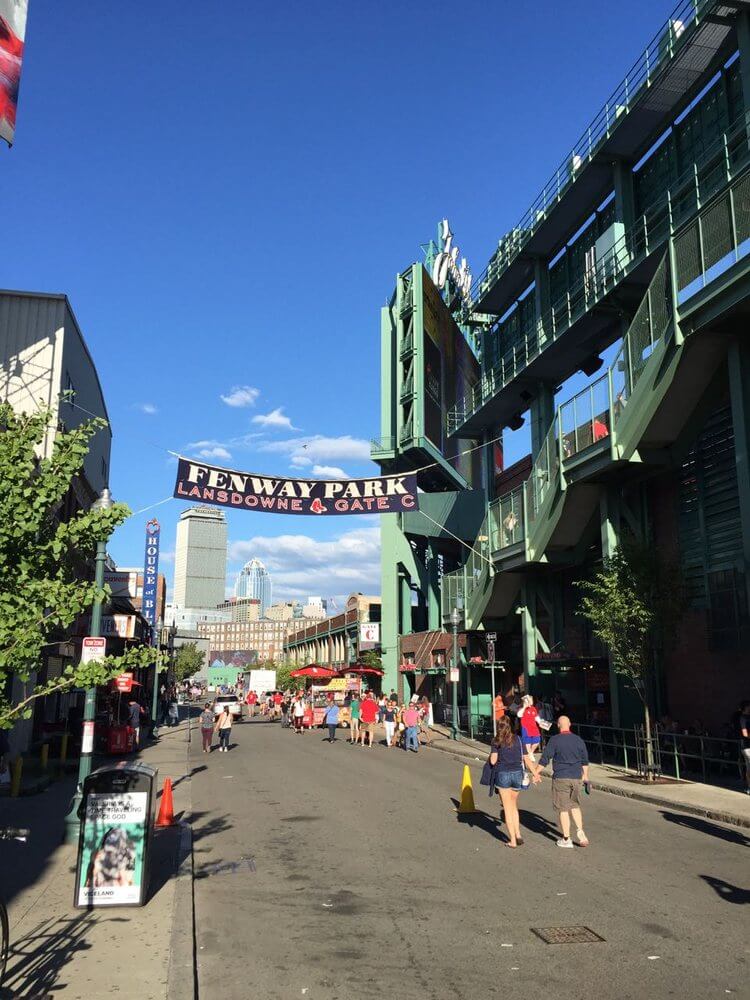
[188, 660]
[371, 659]
[46, 559]
[633, 604]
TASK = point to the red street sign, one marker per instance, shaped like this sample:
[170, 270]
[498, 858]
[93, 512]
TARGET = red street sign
[124, 683]
[94, 648]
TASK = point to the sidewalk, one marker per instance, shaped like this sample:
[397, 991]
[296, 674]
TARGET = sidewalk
[56, 949]
[708, 801]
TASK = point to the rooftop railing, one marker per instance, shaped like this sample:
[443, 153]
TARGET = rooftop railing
[657, 54]
[718, 164]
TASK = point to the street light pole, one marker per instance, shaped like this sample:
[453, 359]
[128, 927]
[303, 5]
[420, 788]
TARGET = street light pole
[72, 822]
[455, 618]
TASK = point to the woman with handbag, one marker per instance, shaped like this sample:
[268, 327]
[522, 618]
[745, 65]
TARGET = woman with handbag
[509, 776]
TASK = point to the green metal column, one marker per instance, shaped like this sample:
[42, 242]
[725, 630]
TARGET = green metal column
[541, 298]
[609, 514]
[738, 360]
[390, 599]
[434, 619]
[542, 413]
[528, 631]
[624, 193]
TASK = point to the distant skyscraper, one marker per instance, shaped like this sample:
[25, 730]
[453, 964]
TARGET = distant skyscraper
[200, 561]
[253, 581]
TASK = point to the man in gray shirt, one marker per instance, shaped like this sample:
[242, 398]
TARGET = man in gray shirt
[570, 767]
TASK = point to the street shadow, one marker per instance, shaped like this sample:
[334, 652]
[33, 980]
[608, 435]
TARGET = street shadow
[36, 960]
[728, 892]
[705, 826]
[482, 820]
[538, 824]
[201, 830]
[164, 858]
[194, 770]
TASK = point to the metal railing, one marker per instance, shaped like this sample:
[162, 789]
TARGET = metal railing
[701, 180]
[507, 519]
[658, 52]
[458, 586]
[587, 418]
[710, 759]
[715, 240]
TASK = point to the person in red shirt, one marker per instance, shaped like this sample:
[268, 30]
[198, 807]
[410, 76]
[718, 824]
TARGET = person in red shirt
[368, 712]
[277, 700]
[530, 735]
[252, 701]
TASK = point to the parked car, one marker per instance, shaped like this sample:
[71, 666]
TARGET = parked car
[232, 702]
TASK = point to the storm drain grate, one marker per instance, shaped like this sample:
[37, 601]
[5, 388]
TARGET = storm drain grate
[567, 935]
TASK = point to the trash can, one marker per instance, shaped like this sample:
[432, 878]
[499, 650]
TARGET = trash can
[114, 844]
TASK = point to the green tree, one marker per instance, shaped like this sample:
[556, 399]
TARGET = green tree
[188, 660]
[371, 659]
[46, 560]
[284, 677]
[634, 603]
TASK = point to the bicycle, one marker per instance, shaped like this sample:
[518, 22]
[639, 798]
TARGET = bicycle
[7, 833]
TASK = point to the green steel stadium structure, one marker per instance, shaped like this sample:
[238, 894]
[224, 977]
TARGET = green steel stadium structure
[628, 279]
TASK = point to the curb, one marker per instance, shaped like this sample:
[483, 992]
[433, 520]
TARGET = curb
[181, 978]
[182, 973]
[732, 819]
[718, 815]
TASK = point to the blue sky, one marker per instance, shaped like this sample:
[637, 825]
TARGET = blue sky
[226, 192]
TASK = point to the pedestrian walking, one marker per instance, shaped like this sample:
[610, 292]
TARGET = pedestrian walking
[174, 711]
[354, 709]
[368, 715]
[530, 734]
[411, 722]
[570, 770]
[224, 729]
[285, 706]
[298, 713]
[507, 760]
[135, 711]
[744, 734]
[332, 720]
[381, 708]
[425, 720]
[251, 701]
[207, 727]
[389, 721]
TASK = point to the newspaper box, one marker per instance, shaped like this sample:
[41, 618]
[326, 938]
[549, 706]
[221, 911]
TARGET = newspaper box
[115, 840]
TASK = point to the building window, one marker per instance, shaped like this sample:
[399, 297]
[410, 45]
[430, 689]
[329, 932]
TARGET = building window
[104, 471]
[728, 621]
[70, 389]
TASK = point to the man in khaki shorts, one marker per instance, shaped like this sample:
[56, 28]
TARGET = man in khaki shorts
[570, 768]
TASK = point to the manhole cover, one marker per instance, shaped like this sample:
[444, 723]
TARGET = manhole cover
[567, 935]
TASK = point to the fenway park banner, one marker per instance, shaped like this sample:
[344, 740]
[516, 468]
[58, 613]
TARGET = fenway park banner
[251, 491]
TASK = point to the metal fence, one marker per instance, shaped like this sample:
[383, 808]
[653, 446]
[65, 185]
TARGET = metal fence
[712, 242]
[710, 759]
[507, 521]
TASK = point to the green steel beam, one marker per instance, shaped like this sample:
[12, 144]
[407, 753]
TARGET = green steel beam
[739, 391]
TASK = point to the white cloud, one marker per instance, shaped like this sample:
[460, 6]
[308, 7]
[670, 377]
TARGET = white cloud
[241, 395]
[301, 565]
[305, 451]
[214, 452]
[276, 418]
[328, 472]
[166, 557]
[148, 408]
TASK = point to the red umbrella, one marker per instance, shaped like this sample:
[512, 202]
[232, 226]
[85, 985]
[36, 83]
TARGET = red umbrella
[314, 670]
[361, 669]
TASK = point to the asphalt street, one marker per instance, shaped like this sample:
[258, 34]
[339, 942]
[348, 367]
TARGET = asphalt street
[343, 873]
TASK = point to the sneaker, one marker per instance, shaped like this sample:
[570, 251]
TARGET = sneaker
[583, 840]
[565, 842]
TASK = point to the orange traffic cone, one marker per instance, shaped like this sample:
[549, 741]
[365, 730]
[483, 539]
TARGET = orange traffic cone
[166, 809]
